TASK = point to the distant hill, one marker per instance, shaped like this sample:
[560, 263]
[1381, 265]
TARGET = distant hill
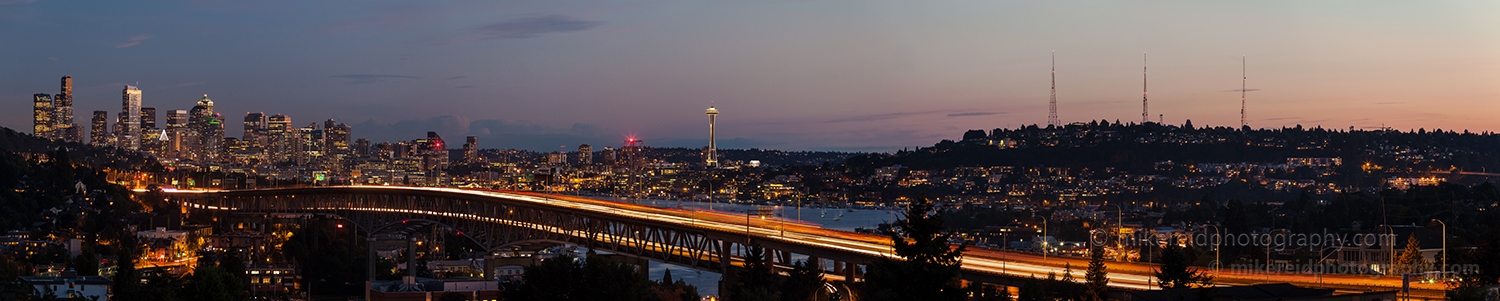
[1137, 148]
[13, 142]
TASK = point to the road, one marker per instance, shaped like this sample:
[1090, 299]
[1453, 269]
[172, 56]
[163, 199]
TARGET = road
[1126, 275]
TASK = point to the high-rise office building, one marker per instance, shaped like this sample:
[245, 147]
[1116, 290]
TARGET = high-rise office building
[607, 156]
[99, 134]
[148, 119]
[130, 120]
[62, 118]
[177, 133]
[205, 131]
[471, 150]
[336, 138]
[41, 115]
[309, 144]
[585, 154]
[433, 152]
[712, 155]
[151, 137]
[361, 147]
[255, 128]
[279, 138]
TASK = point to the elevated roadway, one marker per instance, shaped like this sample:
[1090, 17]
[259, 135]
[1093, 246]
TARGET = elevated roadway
[706, 240]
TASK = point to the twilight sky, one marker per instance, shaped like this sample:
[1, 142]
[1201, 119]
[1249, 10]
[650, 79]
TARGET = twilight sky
[797, 75]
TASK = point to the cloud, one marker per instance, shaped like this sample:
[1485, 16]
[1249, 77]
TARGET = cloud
[182, 85]
[530, 27]
[966, 114]
[372, 78]
[877, 117]
[136, 40]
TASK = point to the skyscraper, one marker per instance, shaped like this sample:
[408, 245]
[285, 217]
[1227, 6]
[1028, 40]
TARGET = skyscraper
[712, 156]
[148, 119]
[177, 134]
[41, 115]
[471, 149]
[130, 120]
[255, 127]
[99, 135]
[63, 117]
[150, 136]
[205, 131]
[279, 137]
[433, 152]
[585, 154]
[336, 138]
[361, 147]
[607, 156]
[309, 144]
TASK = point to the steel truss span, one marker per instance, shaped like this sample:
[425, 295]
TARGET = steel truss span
[711, 241]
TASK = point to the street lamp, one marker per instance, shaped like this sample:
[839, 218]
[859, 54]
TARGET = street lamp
[1218, 242]
[1045, 243]
[1445, 246]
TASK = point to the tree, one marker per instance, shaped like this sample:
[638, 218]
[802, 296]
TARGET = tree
[1175, 272]
[803, 283]
[679, 290]
[557, 278]
[1411, 259]
[1097, 278]
[565, 278]
[126, 278]
[926, 267]
[756, 281]
[9, 271]
[213, 283]
[86, 264]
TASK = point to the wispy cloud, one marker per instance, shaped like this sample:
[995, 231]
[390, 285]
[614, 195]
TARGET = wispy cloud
[966, 114]
[136, 40]
[877, 117]
[182, 85]
[530, 27]
[372, 78]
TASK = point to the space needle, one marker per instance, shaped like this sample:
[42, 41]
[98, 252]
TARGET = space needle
[712, 157]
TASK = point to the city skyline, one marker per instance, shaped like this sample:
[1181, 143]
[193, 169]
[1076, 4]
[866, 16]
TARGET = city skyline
[796, 76]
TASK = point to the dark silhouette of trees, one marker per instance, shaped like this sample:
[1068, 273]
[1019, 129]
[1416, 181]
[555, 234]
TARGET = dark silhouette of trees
[925, 267]
[1097, 278]
[1175, 270]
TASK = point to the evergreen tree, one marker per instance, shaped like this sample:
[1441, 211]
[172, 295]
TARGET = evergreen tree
[1097, 278]
[756, 282]
[1175, 272]
[215, 284]
[1411, 260]
[803, 283]
[926, 267]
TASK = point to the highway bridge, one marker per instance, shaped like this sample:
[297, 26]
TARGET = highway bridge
[503, 220]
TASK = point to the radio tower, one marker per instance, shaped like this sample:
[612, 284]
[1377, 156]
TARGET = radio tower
[1144, 116]
[1242, 91]
[1052, 110]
